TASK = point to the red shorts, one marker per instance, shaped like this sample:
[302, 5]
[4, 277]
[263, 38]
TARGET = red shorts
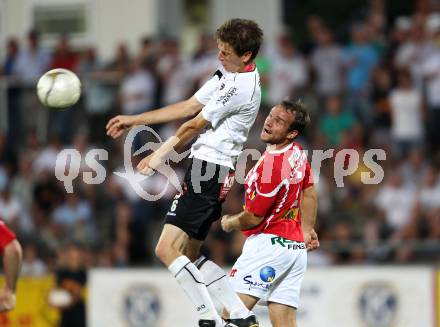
[6, 236]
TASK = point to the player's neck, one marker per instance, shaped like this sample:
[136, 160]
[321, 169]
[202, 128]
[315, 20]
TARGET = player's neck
[282, 145]
[279, 146]
[247, 68]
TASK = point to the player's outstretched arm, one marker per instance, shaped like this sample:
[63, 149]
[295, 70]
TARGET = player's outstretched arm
[240, 221]
[184, 134]
[180, 110]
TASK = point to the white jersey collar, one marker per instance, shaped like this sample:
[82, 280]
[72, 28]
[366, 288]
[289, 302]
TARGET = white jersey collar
[272, 146]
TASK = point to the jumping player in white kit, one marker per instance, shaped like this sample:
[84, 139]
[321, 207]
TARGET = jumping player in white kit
[278, 219]
[225, 108]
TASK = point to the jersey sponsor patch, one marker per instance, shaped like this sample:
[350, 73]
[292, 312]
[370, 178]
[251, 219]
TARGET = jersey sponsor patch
[289, 244]
[227, 96]
[226, 186]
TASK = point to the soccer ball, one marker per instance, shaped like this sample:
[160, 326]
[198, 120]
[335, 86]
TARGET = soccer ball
[59, 88]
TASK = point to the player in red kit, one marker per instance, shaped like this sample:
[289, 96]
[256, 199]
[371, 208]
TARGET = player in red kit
[11, 251]
[278, 218]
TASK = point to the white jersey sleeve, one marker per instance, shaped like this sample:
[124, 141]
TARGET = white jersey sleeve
[206, 92]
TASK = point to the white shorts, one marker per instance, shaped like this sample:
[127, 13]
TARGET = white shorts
[270, 268]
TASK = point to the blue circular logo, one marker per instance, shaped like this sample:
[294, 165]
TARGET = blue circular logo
[267, 274]
[378, 305]
[142, 306]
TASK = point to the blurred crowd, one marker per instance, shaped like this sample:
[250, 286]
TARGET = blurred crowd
[375, 87]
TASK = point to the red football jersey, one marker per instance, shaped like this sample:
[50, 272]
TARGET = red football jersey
[273, 191]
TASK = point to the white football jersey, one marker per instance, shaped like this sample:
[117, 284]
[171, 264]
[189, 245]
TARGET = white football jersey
[231, 104]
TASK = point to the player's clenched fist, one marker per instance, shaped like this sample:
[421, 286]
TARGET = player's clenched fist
[226, 226]
[7, 300]
[117, 125]
[311, 240]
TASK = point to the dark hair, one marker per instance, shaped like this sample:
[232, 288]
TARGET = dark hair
[302, 117]
[242, 35]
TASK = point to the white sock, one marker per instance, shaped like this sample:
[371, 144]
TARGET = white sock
[219, 287]
[191, 280]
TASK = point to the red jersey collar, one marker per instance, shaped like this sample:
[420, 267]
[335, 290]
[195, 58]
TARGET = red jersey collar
[249, 68]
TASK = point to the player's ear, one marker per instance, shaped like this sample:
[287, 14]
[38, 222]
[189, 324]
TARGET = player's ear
[246, 57]
[292, 135]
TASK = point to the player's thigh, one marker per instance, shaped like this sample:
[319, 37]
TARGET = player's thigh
[282, 315]
[287, 288]
[192, 249]
[172, 242]
[248, 300]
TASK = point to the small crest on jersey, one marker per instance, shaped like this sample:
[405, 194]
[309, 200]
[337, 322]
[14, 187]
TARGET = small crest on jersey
[222, 86]
[291, 214]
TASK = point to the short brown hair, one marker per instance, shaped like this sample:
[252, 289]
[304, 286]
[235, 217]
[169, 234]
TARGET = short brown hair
[242, 35]
[302, 117]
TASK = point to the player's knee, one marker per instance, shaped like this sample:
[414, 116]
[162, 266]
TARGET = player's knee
[161, 251]
[166, 252]
[14, 249]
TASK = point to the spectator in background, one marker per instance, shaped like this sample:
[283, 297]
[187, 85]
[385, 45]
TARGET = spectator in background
[288, 73]
[46, 158]
[335, 121]
[125, 235]
[121, 61]
[174, 72]
[413, 53]
[343, 236]
[32, 61]
[413, 168]
[406, 116]
[71, 276]
[263, 65]
[137, 90]
[204, 61]
[74, 219]
[148, 53]
[12, 210]
[361, 59]
[381, 88]
[98, 91]
[63, 56]
[12, 49]
[7, 155]
[428, 206]
[23, 182]
[315, 26]
[395, 202]
[399, 34]
[32, 264]
[13, 92]
[431, 73]
[328, 64]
